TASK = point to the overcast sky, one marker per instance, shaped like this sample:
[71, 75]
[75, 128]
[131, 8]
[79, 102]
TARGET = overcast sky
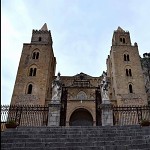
[81, 31]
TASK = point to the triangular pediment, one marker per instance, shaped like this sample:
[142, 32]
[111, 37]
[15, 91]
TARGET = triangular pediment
[82, 80]
[82, 76]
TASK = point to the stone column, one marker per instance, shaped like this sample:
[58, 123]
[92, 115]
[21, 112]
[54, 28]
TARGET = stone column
[106, 106]
[55, 104]
[54, 114]
[107, 113]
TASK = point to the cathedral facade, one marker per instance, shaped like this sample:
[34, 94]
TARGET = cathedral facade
[81, 94]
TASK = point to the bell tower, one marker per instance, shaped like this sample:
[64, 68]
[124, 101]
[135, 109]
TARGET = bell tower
[125, 71]
[120, 37]
[36, 70]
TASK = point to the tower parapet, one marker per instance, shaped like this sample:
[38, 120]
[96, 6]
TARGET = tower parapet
[121, 37]
[42, 36]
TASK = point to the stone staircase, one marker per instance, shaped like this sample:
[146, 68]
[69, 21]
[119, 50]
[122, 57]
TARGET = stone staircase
[76, 138]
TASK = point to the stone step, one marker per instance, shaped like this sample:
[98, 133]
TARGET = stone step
[84, 130]
[134, 127]
[76, 146]
[74, 138]
[68, 135]
[80, 130]
[128, 138]
[54, 138]
[62, 140]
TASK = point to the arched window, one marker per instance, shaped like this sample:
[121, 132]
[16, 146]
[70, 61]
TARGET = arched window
[123, 40]
[40, 38]
[120, 39]
[127, 73]
[125, 58]
[29, 91]
[130, 73]
[32, 72]
[81, 95]
[130, 88]
[35, 55]
[128, 58]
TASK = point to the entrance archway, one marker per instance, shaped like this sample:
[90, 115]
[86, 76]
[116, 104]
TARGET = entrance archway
[81, 117]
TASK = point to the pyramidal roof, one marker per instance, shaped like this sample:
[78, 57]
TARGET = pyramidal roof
[44, 27]
[120, 29]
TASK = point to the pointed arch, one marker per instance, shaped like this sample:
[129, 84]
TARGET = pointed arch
[35, 54]
[29, 88]
[32, 70]
[81, 95]
[126, 56]
[128, 70]
[130, 88]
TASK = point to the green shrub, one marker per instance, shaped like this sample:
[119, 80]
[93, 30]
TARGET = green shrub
[145, 122]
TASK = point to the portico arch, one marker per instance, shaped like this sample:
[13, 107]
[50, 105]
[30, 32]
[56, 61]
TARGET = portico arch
[81, 117]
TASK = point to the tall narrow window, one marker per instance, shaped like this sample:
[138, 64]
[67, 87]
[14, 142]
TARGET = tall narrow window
[40, 38]
[29, 89]
[31, 72]
[130, 88]
[127, 73]
[120, 39]
[34, 72]
[130, 73]
[128, 58]
[125, 58]
[123, 40]
[35, 55]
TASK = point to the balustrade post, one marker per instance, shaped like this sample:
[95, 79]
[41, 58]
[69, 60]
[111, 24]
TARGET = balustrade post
[54, 114]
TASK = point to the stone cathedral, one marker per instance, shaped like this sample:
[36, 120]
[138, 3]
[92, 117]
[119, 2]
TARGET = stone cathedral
[127, 74]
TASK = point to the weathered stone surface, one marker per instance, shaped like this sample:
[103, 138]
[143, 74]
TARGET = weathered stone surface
[82, 138]
[81, 88]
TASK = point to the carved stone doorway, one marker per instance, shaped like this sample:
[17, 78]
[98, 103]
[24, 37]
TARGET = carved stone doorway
[81, 117]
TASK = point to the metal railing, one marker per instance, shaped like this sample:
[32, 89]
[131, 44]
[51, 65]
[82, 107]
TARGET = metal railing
[131, 115]
[25, 115]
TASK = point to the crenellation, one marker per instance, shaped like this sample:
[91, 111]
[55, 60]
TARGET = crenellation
[40, 31]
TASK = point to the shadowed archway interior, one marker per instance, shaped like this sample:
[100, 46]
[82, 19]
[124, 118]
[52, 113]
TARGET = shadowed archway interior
[81, 117]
